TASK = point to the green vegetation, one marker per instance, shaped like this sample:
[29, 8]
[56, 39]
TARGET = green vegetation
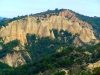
[94, 21]
[40, 47]
[96, 71]
[5, 21]
[49, 56]
[4, 66]
[42, 65]
[44, 52]
[60, 73]
[50, 12]
[8, 48]
[71, 58]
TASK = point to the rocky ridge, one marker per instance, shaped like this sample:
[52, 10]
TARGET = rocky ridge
[43, 27]
[13, 60]
[39, 26]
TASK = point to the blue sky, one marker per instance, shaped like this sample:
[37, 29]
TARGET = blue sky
[13, 8]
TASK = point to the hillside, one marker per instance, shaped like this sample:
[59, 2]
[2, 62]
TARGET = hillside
[33, 42]
[94, 21]
[69, 61]
[41, 26]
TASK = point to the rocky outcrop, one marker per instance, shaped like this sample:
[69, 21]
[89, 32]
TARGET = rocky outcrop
[43, 27]
[12, 32]
[72, 17]
[52, 35]
[77, 42]
[34, 25]
[13, 60]
[93, 65]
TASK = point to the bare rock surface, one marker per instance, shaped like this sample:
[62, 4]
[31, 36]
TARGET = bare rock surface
[19, 28]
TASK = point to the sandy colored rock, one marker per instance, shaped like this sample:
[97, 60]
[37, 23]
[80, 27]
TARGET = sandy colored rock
[77, 42]
[12, 32]
[93, 65]
[72, 17]
[18, 29]
[13, 60]
[46, 32]
[52, 35]
[66, 71]
[77, 27]
[40, 26]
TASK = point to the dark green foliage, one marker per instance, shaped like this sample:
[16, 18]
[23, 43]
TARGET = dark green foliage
[71, 58]
[12, 44]
[79, 61]
[50, 12]
[94, 21]
[44, 53]
[42, 65]
[64, 34]
[95, 51]
[60, 73]
[3, 66]
[60, 60]
[56, 34]
[25, 56]
[96, 71]
[38, 48]
[4, 22]
[8, 48]
[31, 38]
[85, 73]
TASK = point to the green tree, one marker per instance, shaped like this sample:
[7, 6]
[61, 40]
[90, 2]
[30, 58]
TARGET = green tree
[60, 73]
[96, 71]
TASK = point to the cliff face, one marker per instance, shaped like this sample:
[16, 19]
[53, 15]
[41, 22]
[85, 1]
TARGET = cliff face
[13, 60]
[12, 32]
[93, 65]
[43, 27]
[19, 28]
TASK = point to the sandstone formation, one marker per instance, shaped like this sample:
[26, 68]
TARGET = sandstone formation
[72, 17]
[77, 42]
[18, 29]
[12, 32]
[52, 35]
[43, 27]
[13, 60]
[93, 65]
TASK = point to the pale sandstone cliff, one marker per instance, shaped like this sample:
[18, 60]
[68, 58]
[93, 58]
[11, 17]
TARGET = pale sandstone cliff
[19, 28]
[52, 35]
[72, 17]
[94, 65]
[12, 32]
[13, 60]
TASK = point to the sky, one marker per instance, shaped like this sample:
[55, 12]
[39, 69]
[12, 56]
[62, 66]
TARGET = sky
[14, 8]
